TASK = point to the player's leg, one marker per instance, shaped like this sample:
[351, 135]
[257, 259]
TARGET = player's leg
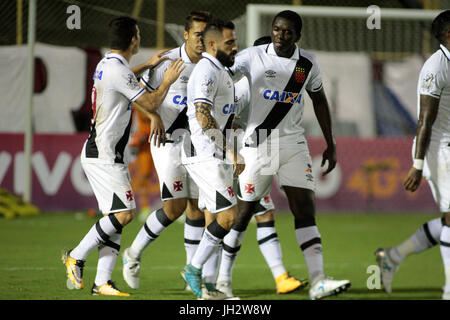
[174, 192]
[218, 197]
[194, 224]
[296, 178]
[112, 188]
[445, 253]
[270, 247]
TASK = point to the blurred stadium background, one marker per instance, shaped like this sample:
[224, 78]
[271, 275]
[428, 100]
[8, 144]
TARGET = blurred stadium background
[370, 77]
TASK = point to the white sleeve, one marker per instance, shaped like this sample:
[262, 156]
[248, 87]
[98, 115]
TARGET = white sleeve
[125, 82]
[315, 82]
[152, 78]
[205, 86]
[242, 95]
[431, 79]
[241, 66]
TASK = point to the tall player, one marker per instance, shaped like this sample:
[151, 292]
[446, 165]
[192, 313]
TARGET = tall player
[279, 74]
[102, 158]
[431, 159]
[266, 235]
[210, 113]
[178, 191]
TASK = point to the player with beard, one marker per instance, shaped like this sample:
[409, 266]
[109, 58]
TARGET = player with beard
[211, 162]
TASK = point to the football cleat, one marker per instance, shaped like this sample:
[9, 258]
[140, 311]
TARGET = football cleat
[326, 287]
[108, 289]
[193, 277]
[210, 292]
[388, 268]
[287, 284]
[131, 268]
[225, 287]
[74, 269]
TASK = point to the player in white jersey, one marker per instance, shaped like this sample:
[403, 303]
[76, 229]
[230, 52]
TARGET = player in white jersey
[264, 215]
[431, 159]
[210, 112]
[115, 90]
[280, 74]
[178, 190]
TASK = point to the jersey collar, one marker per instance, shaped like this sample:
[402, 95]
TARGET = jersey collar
[110, 55]
[445, 51]
[213, 60]
[271, 50]
[183, 54]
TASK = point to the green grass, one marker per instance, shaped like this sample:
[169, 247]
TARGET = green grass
[30, 265]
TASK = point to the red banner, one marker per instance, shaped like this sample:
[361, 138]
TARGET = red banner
[368, 176]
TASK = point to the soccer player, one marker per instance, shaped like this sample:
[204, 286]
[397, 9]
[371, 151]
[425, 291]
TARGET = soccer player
[264, 215]
[279, 74]
[102, 158]
[210, 112]
[178, 190]
[431, 159]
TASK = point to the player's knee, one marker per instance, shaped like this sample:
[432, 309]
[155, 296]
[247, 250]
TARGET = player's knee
[174, 208]
[227, 218]
[192, 210]
[125, 217]
[447, 218]
[265, 217]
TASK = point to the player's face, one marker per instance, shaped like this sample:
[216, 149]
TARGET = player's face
[284, 36]
[194, 37]
[227, 48]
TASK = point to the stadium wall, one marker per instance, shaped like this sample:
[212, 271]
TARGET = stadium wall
[368, 176]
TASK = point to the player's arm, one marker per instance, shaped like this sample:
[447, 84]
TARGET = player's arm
[427, 116]
[322, 112]
[156, 59]
[211, 129]
[157, 130]
[151, 101]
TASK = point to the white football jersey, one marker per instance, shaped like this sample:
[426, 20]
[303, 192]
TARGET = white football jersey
[277, 88]
[173, 108]
[209, 83]
[115, 89]
[434, 80]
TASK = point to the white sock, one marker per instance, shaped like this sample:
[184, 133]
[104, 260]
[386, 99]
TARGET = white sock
[210, 268]
[212, 237]
[107, 256]
[445, 253]
[270, 247]
[193, 232]
[230, 249]
[309, 241]
[156, 223]
[98, 234]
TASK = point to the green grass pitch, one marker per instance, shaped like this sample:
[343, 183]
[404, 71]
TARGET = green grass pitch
[30, 266]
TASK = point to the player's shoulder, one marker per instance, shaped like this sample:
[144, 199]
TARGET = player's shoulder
[308, 55]
[254, 50]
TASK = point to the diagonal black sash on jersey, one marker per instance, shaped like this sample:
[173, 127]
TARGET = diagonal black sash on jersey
[180, 122]
[281, 108]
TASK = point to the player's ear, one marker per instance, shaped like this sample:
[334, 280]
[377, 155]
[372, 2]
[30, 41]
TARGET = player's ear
[185, 35]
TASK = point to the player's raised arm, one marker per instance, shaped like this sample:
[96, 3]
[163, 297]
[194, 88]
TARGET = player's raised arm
[152, 100]
[156, 59]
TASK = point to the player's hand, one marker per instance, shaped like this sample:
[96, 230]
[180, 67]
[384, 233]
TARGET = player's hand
[173, 72]
[330, 155]
[156, 59]
[413, 179]
[157, 131]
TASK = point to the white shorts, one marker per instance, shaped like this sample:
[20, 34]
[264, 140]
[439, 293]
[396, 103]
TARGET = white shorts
[174, 180]
[111, 185]
[264, 205]
[437, 172]
[293, 167]
[214, 179]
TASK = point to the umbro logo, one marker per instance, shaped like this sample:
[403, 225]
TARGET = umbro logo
[270, 74]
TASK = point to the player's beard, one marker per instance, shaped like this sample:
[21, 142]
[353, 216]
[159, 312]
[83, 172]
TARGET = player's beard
[226, 60]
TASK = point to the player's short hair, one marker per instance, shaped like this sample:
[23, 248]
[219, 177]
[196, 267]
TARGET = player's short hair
[217, 26]
[121, 31]
[292, 16]
[262, 40]
[202, 16]
[441, 25]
